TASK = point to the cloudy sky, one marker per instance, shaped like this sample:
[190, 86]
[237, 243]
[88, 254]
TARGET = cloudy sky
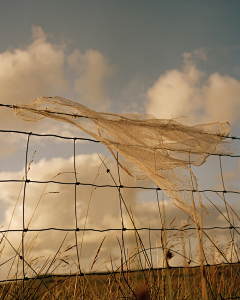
[165, 58]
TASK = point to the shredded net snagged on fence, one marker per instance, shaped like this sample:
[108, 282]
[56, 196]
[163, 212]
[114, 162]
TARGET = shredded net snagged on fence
[160, 149]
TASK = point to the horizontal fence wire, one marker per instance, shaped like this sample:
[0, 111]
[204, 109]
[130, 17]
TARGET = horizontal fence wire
[114, 186]
[123, 228]
[119, 229]
[96, 141]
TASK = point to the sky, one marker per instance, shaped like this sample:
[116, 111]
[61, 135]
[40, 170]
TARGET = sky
[165, 58]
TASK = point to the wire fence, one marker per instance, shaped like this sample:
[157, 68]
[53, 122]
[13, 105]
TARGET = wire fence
[26, 181]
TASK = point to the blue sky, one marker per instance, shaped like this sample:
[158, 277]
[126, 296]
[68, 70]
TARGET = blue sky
[167, 58]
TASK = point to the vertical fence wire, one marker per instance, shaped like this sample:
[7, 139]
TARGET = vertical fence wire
[24, 230]
[75, 205]
[121, 214]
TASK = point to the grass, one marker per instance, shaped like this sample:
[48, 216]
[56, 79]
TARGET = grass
[136, 277]
[147, 284]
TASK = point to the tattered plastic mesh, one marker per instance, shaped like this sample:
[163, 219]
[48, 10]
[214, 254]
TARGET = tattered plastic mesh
[160, 149]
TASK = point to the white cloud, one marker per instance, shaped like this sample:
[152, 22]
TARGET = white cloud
[222, 98]
[24, 75]
[192, 93]
[36, 70]
[40, 70]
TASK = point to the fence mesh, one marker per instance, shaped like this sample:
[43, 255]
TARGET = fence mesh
[123, 229]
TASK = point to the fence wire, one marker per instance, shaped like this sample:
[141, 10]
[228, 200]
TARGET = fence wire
[76, 229]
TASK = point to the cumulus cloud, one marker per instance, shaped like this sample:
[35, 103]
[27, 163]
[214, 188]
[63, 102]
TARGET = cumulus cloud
[36, 70]
[24, 75]
[193, 93]
[222, 98]
[40, 69]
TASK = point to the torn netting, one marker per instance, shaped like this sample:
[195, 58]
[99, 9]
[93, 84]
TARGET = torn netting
[159, 149]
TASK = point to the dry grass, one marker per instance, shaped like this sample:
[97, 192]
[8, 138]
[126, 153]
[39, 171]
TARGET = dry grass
[222, 283]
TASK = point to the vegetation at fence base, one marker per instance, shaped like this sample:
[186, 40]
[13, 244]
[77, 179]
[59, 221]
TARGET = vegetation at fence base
[148, 284]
